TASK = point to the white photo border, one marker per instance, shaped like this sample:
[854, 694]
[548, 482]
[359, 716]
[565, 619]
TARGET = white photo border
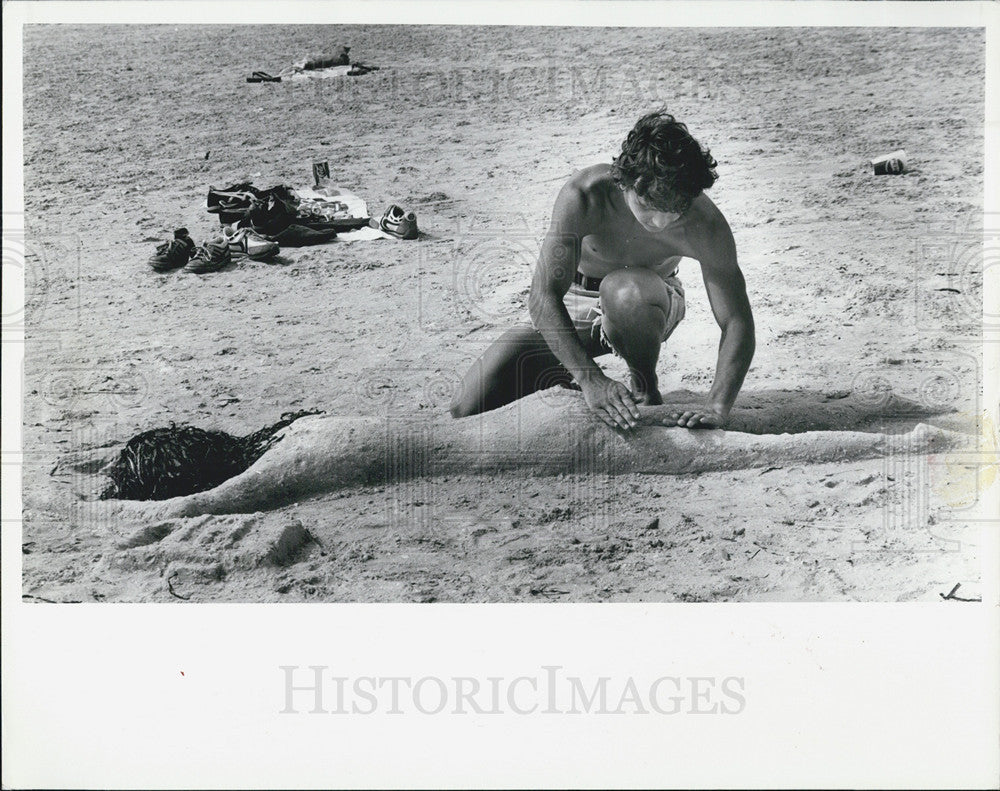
[115, 695]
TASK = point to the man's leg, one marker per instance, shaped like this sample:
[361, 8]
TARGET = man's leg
[635, 306]
[515, 365]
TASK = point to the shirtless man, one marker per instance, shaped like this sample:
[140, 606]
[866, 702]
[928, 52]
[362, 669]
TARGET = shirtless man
[606, 282]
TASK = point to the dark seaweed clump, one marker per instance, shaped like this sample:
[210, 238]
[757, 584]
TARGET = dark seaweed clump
[178, 460]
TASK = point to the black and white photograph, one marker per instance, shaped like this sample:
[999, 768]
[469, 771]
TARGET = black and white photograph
[535, 312]
[475, 314]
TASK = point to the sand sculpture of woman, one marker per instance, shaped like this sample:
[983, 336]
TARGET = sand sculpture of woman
[549, 432]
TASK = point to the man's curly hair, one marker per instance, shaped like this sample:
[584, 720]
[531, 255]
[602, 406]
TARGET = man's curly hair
[665, 166]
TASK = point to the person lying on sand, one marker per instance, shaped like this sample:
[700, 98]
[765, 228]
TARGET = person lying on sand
[606, 281]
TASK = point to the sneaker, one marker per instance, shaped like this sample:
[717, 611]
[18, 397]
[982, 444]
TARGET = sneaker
[246, 243]
[210, 257]
[398, 223]
[173, 254]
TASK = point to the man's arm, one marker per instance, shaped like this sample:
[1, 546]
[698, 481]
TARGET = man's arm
[727, 295]
[557, 263]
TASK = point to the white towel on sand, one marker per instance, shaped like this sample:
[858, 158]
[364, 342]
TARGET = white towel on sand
[365, 234]
[316, 74]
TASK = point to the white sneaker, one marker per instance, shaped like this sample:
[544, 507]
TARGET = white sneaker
[247, 243]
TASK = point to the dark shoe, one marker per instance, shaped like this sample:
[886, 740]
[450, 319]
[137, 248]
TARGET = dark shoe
[300, 236]
[173, 254]
[262, 76]
[398, 223]
[210, 257]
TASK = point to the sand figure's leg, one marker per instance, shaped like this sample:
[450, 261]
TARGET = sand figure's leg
[635, 304]
[517, 364]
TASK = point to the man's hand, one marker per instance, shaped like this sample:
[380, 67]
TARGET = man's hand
[611, 401]
[697, 418]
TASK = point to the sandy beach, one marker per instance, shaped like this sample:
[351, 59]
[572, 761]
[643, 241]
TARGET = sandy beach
[863, 287]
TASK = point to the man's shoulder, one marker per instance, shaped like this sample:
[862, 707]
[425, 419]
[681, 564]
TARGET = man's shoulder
[706, 219]
[591, 181]
[587, 192]
[707, 229]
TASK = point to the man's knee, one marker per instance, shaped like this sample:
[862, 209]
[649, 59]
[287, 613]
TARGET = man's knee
[627, 293]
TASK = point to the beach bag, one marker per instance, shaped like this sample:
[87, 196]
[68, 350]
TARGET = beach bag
[232, 203]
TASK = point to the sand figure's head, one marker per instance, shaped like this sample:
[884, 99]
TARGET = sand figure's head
[175, 461]
[171, 462]
[661, 169]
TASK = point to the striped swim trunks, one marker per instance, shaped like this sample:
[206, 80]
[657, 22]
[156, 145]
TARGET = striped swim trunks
[584, 306]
